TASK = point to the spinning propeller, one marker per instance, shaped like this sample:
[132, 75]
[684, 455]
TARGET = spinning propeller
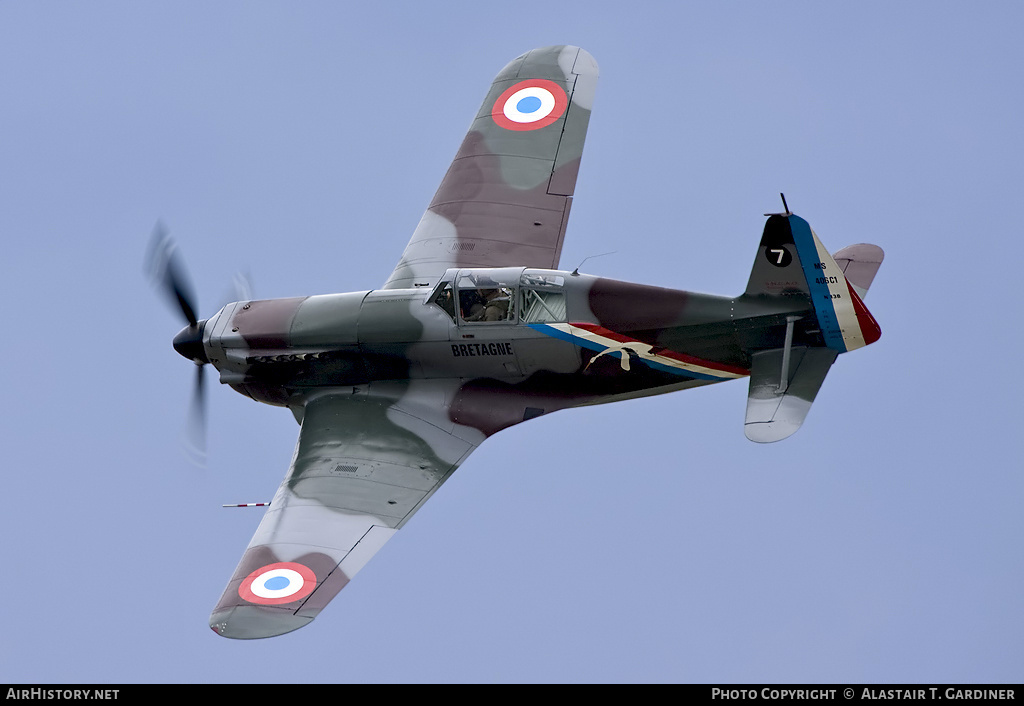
[169, 275]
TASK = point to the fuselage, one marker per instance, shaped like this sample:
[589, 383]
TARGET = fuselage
[557, 338]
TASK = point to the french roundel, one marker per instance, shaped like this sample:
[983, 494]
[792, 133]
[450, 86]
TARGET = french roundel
[530, 105]
[273, 584]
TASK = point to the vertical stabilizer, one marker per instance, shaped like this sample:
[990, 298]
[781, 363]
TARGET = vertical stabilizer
[792, 262]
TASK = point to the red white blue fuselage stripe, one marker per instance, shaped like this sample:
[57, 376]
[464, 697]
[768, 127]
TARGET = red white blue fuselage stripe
[597, 338]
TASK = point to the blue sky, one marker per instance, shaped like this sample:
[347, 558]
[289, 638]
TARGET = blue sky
[645, 541]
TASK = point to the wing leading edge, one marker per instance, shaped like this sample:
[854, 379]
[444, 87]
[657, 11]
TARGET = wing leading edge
[506, 197]
[364, 463]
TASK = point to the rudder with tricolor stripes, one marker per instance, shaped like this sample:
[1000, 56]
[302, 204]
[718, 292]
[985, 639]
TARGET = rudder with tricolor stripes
[792, 261]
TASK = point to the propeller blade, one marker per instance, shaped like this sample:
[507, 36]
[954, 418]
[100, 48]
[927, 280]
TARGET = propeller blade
[241, 285]
[195, 439]
[168, 274]
[240, 289]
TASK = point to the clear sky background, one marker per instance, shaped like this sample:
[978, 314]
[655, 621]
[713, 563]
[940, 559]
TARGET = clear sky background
[644, 541]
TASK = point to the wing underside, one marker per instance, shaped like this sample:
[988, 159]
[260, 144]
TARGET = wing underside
[506, 197]
[364, 463]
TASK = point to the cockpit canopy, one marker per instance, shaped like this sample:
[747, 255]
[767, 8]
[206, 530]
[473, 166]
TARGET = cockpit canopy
[506, 295]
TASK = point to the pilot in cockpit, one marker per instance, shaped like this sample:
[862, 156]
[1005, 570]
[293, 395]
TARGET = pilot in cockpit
[489, 302]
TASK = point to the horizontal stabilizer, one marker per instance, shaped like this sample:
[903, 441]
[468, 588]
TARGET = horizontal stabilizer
[777, 403]
[860, 264]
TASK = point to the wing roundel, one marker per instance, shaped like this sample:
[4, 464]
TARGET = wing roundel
[506, 197]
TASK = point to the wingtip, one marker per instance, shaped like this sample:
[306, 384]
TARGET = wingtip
[770, 432]
[255, 622]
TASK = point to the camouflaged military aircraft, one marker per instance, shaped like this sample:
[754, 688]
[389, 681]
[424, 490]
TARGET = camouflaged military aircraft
[477, 330]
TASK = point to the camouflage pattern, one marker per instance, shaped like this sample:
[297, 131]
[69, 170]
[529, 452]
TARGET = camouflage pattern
[476, 330]
[505, 200]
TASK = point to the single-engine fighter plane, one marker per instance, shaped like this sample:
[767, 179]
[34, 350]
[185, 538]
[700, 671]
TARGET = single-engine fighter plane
[477, 330]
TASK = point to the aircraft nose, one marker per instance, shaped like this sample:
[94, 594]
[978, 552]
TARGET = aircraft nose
[189, 343]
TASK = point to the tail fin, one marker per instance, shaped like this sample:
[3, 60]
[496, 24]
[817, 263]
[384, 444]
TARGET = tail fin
[792, 262]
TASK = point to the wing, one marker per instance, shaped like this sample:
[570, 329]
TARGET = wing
[505, 199]
[364, 463]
